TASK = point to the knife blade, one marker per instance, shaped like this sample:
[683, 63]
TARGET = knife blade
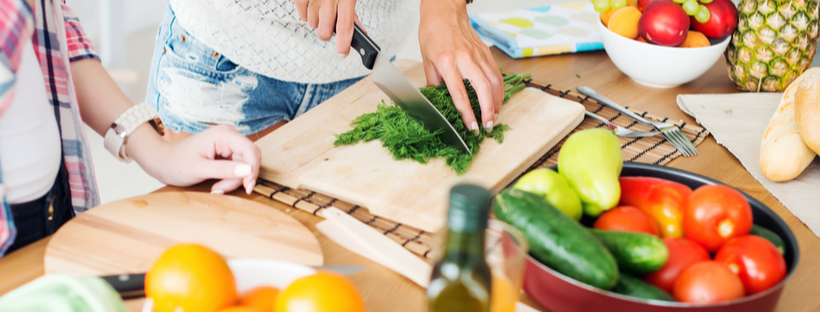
[393, 83]
[131, 286]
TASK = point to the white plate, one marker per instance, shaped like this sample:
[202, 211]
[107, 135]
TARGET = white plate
[252, 273]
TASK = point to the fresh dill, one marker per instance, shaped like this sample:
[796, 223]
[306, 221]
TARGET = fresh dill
[407, 139]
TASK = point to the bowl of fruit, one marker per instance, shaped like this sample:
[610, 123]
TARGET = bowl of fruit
[611, 236]
[664, 43]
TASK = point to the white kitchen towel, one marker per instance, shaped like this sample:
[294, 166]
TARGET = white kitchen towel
[737, 121]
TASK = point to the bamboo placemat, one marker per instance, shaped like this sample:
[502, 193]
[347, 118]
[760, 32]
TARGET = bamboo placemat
[655, 150]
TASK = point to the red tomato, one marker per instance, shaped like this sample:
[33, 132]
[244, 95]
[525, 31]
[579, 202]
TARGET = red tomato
[714, 214]
[708, 282]
[627, 219]
[755, 260]
[682, 254]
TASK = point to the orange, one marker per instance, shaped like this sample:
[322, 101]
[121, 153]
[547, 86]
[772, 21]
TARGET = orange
[320, 292]
[695, 39]
[261, 297]
[241, 309]
[625, 22]
[190, 278]
[606, 15]
[641, 39]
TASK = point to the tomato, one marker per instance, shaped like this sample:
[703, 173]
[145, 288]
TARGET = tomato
[708, 282]
[682, 254]
[714, 214]
[627, 219]
[755, 260]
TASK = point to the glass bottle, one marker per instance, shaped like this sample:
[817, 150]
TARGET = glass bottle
[461, 278]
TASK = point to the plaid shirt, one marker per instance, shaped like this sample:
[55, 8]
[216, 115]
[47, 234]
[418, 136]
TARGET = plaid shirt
[57, 39]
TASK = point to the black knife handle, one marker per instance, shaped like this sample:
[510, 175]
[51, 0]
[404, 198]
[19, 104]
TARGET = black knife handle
[127, 285]
[364, 46]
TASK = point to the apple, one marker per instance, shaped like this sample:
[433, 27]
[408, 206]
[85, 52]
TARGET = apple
[664, 23]
[722, 22]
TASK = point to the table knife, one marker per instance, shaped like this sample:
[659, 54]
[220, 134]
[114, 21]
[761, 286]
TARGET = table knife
[393, 83]
[131, 286]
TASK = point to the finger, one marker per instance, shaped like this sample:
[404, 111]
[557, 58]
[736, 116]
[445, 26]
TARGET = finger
[358, 22]
[301, 8]
[470, 70]
[313, 13]
[455, 85]
[327, 21]
[432, 75]
[344, 26]
[225, 186]
[490, 69]
[221, 169]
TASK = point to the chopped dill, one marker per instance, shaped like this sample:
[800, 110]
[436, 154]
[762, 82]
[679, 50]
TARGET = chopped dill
[407, 139]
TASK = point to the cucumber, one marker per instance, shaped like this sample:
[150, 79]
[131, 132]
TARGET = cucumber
[635, 287]
[557, 240]
[770, 236]
[636, 253]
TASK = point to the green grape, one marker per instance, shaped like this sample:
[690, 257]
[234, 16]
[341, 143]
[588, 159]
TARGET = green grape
[617, 4]
[679, 1]
[691, 7]
[703, 14]
[601, 6]
[706, 1]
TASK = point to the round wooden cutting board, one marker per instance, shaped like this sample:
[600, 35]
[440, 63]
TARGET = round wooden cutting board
[128, 235]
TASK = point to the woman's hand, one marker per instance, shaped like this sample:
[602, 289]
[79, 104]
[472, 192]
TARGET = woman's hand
[452, 51]
[329, 16]
[217, 153]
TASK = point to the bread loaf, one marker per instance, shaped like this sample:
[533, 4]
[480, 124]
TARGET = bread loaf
[807, 111]
[783, 154]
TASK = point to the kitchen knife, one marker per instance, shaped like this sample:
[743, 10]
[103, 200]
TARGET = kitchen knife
[131, 286]
[391, 81]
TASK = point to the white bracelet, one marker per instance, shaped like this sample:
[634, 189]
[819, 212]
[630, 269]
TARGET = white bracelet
[130, 120]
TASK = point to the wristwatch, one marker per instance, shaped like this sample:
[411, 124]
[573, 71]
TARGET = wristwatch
[117, 135]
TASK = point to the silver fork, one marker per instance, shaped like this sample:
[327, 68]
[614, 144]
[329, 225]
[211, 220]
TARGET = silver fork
[621, 131]
[670, 131]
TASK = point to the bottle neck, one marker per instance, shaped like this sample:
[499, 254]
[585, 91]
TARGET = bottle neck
[464, 245]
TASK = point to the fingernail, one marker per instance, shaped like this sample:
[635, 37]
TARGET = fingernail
[495, 117]
[242, 170]
[342, 55]
[218, 192]
[250, 189]
[474, 126]
[489, 127]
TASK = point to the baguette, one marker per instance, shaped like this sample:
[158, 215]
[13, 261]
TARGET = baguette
[807, 111]
[783, 154]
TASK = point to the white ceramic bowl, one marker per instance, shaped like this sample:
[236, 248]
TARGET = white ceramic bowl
[658, 66]
[252, 273]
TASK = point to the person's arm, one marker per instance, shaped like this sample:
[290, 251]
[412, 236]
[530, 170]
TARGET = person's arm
[450, 48]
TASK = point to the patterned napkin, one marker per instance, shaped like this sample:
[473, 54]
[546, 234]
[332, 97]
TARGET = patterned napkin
[554, 29]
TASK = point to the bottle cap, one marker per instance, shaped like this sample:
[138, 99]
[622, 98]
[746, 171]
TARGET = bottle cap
[469, 208]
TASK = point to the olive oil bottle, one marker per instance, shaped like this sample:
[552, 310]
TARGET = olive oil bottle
[461, 278]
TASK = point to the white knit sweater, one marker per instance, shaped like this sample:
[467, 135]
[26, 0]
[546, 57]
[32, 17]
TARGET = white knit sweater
[267, 36]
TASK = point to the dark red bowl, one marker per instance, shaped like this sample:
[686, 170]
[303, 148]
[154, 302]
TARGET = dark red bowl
[560, 293]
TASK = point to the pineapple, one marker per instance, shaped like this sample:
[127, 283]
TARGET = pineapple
[774, 42]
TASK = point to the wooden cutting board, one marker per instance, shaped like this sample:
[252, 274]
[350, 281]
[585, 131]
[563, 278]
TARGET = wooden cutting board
[301, 153]
[128, 235]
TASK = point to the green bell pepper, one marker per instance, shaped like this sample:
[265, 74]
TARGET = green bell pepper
[554, 188]
[591, 160]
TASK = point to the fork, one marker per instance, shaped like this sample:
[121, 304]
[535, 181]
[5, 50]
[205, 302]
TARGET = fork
[670, 131]
[621, 131]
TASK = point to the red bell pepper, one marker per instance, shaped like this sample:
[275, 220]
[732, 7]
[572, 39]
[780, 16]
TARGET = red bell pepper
[662, 199]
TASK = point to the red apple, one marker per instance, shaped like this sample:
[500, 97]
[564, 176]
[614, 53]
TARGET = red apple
[664, 23]
[722, 22]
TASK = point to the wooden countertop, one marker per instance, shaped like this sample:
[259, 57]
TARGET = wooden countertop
[385, 290]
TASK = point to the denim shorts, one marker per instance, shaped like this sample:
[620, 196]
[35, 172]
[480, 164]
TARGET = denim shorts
[193, 87]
